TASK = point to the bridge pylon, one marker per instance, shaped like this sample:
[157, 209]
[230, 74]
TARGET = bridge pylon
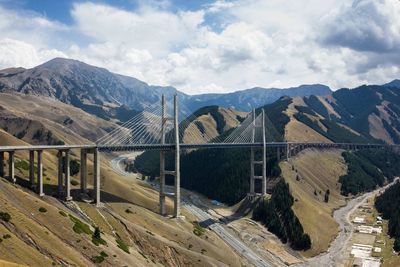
[263, 162]
[163, 172]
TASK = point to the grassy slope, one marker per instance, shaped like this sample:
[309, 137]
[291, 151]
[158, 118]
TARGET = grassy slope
[296, 131]
[317, 170]
[172, 242]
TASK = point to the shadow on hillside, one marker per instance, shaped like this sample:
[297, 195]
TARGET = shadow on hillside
[245, 208]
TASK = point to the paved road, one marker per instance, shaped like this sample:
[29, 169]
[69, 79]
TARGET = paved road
[116, 166]
[202, 215]
[235, 243]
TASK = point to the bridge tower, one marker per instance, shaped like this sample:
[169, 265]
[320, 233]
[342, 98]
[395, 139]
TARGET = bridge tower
[163, 172]
[262, 162]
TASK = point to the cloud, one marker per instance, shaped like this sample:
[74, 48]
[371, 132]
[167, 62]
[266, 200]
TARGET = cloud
[223, 46]
[19, 54]
[365, 25]
[155, 30]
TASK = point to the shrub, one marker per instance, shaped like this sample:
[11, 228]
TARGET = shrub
[74, 182]
[197, 229]
[62, 213]
[6, 236]
[96, 237]
[327, 193]
[97, 259]
[5, 216]
[128, 211]
[122, 245]
[80, 227]
[43, 210]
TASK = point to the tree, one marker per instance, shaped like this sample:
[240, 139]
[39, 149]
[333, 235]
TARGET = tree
[97, 233]
[327, 193]
[74, 166]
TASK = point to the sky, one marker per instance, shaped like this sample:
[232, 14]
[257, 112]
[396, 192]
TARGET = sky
[214, 45]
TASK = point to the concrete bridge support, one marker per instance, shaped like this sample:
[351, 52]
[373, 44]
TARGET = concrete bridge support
[83, 171]
[64, 179]
[32, 169]
[96, 174]
[67, 177]
[2, 164]
[263, 162]
[287, 151]
[163, 172]
[60, 174]
[11, 169]
[40, 172]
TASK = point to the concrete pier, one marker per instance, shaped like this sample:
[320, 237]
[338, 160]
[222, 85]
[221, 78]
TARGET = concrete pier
[264, 159]
[162, 159]
[40, 172]
[67, 177]
[60, 174]
[2, 164]
[96, 176]
[32, 169]
[177, 200]
[83, 171]
[11, 169]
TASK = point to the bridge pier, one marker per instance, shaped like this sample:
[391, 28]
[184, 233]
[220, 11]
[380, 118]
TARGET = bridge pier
[64, 179]
[32, 169]
[263, 162]
[96, 176]
[83, 171]
[67, 176]
[177, 200]
[177, 178]
[60, 174]
[40, 172]
[2, 164]
[11, 169]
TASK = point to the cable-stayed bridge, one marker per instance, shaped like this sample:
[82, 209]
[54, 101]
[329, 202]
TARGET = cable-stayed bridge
[160, 128]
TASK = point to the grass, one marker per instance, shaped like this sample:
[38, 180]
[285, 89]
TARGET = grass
[122, 245]
[320, 171]
[79, 226]
[23, 164]
[98, 241]
[198, 229]
[62, 213]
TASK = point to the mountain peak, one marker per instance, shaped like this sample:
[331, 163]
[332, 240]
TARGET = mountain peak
[394, 83]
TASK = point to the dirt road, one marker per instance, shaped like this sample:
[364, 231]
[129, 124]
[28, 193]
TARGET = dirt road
[335, 255]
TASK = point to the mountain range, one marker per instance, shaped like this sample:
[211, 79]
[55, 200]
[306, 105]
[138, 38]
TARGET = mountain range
[101, 92]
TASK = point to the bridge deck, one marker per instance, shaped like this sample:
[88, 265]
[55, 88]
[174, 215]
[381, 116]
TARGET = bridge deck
[140, 147]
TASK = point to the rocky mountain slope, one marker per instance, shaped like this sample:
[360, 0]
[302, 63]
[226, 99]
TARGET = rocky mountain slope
[364, 114]
[100, 92]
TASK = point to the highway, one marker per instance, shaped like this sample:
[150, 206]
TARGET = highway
[116, 166]
[202, 215]
[232, 241]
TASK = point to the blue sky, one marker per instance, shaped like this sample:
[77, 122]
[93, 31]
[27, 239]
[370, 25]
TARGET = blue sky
[214, 45]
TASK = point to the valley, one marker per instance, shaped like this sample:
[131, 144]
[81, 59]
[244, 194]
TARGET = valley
[311, 190]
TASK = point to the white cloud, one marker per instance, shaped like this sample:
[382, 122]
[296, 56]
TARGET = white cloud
[14, 53]
[365, 25]
[152, 29]
[257, 43]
